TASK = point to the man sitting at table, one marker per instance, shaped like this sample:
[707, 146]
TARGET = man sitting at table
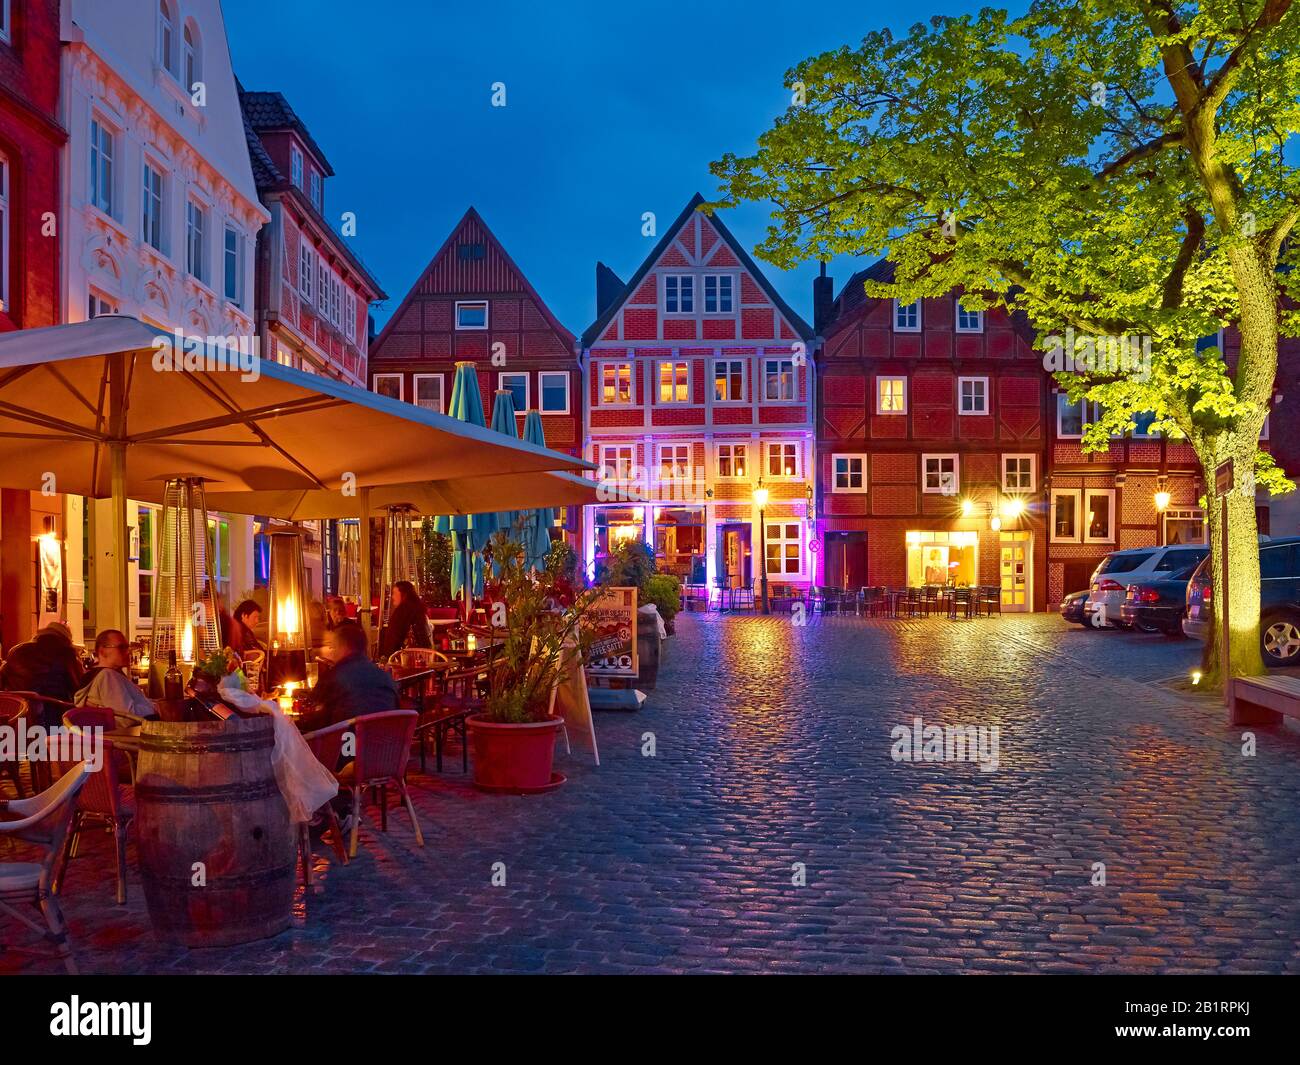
[108, 685]
[47, 665]
[355, 685]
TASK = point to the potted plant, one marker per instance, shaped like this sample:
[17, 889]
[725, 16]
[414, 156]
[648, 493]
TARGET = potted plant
[514, 736]
[665, 592]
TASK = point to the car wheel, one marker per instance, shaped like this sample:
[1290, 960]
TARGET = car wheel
[1280, 640]
[1146, 626]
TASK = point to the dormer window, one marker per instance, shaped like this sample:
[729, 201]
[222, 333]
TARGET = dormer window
[295, 165]
[471, 314]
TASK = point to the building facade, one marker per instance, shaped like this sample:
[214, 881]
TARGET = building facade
[473, 303]
[32, 567]
[159, 220]
[700, 390]
[931, 445]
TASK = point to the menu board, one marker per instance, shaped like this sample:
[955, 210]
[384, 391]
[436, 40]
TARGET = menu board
[613, 647]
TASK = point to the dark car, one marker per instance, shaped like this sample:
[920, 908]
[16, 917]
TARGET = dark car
[1072, 607]
[1279, 601]
[1157, 604]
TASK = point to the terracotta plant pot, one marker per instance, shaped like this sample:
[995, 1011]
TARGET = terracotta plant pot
[514, 757]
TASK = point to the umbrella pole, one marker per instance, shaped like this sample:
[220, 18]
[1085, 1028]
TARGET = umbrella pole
[117, 472]
[467, 580]
[363, 553]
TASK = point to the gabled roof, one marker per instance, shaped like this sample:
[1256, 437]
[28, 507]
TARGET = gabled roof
[471, 216]
[270, 112]
[593, 331]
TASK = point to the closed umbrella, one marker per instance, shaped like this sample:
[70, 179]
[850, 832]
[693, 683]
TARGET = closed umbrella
[537, 522]
[503, 421]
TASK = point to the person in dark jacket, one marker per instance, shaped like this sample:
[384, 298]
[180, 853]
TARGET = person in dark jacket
[241, 637]
[355, 685]
[408, 624]
[48, 665]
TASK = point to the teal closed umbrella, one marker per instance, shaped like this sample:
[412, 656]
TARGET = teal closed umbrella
[469, 532]
[536, 523]
[503, 421]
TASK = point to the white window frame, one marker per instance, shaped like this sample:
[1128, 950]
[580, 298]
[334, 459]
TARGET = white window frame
[1087, 407]
[880, 408]
[717, 280]
[676, 364]
[191, 64]
[350, 314]
[780, 362]
[1033, 471]
[618, 469]
[322, 286]
[1074, 494]
[683, 290]
[238, 298]
[97, 143]
[6, 34]
[938, 489]
[961, 398]
[907, 326]
[99, 304]
[679, 472]
[158, 216]
[195, 208]
[295, 165]
[314, 183]
[978, 327]
[401, 383]
[849, 458]
[1136, 435]
[783, 524]
[1089, 493]
[767, 473]
[528, 395]
[5, 178]
[168, 42]
[472, 328]
[542, 375]
[614, 364]
[442, 391]
[731, 447]
[742, 363]
[336, 299]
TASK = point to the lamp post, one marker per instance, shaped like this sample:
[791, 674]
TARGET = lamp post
[1162, 498]
[760, 497]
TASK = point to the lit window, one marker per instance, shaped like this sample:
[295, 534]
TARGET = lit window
[388, 384]
[428, 391]
[969, 321]
[848, 473]
[517, 385]
[617, 461]
[1099, 516]
[728, 380]
[732, 460]
[941, 475]
[674, 382]
[616, 382]
[233, 263]
[151, 230]
[891, 395]
[554, 386]
[196, 241]
[1018, 473]
[973, 395]
[717, 294]
[674, 462]
[102, 150]
[1065, 515]
[679, 294]
[778, 379]
[295, 165]
[907, 317]
[782, 460]
[783, 545]
[472, 314]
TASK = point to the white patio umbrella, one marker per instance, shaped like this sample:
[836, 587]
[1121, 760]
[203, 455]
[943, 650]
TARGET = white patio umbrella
[112, 408]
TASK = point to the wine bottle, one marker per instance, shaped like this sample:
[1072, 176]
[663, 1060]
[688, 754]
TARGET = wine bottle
[173, 683]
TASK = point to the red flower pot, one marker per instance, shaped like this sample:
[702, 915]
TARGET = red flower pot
[514, 757]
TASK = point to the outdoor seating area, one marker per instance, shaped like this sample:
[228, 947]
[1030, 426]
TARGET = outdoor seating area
[956, 603]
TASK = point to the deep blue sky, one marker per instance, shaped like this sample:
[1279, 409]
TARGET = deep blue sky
[612, 110]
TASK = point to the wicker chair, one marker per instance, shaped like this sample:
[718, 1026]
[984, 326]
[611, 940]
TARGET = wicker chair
[12, 708]
[383, 747]
[253, 663]
[327, 745]
[44, 821]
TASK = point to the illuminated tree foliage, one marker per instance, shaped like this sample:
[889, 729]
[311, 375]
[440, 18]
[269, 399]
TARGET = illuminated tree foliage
[1117, 168]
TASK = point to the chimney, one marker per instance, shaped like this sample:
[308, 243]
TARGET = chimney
[823, 298]
[608, 288]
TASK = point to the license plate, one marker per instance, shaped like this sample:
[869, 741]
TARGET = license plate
[1194, 611]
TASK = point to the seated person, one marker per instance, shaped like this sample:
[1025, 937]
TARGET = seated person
[355, 685]
[48, 665]
[108, 685]
[242, 638]
[336, 614]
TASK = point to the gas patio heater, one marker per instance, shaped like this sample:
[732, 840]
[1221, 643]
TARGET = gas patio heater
[401, 526]
[288, 636]
[186, 614]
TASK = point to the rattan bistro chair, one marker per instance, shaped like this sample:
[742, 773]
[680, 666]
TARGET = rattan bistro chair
[44, 821]
[383, 747]
[12, 709]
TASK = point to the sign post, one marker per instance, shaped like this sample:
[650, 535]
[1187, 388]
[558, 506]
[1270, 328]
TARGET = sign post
[1223, 482]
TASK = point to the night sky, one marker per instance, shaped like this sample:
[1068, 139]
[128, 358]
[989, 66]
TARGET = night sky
[611, 110]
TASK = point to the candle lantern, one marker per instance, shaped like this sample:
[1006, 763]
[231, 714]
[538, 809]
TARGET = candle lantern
[288, 636]
[401, 524]
[186, 616]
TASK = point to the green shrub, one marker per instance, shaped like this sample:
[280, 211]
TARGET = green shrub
[665, 591]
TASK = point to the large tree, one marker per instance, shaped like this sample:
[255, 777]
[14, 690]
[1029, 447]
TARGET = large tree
[1109, 167]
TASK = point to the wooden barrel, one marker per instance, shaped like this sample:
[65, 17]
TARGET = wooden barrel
[217, 852]
[647, 650]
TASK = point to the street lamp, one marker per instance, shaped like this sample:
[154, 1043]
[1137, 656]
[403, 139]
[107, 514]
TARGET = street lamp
[1162, 498]
[760, 497]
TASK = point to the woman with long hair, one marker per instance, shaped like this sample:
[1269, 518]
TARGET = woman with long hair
[408, 625]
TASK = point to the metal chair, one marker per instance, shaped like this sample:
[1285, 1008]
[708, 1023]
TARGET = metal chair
[450, 709]
[43, 820]
[104, 800]
[383, 747]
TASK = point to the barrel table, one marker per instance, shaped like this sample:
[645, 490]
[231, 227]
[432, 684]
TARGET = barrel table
[217, 853]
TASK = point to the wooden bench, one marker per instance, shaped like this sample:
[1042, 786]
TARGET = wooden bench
[1263, 700]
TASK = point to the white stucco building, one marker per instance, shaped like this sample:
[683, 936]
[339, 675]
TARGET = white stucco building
[159, 221]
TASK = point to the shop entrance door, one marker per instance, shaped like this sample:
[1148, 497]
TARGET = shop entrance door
[1016, 565]
[734, 562]
[846, 560]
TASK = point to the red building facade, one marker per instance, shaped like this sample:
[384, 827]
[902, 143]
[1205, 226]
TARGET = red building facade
[932, 445]
[700, 390]
[31, 146]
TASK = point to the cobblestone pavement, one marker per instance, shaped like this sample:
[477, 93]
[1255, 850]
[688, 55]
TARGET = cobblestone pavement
[773, 748]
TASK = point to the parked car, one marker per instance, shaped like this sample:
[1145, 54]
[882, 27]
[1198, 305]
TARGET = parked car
[1156, 606]
[1134, 565]
[1072, 607]
[1279, 601]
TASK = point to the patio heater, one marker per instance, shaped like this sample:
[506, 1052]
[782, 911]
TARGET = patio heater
[401, 530]
[288, 635]
[186, 614]
[349, 547]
